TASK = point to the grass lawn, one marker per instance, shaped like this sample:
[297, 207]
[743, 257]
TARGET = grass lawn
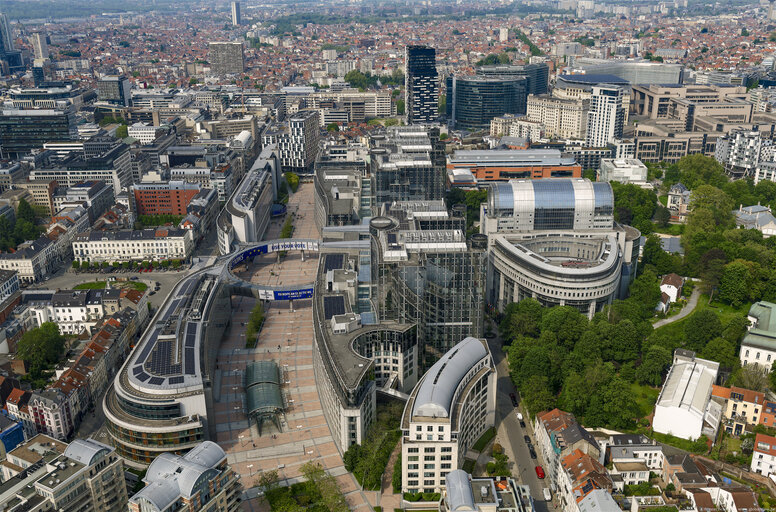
[663, 199]
[484, 440]
[95, 285]
[724, 311]
[99, 285]
[645, 398]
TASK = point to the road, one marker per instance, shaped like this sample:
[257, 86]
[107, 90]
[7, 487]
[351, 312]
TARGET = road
[509, 429]
[66, 279]
[686, 310]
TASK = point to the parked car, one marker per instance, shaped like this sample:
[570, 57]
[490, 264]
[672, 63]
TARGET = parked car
[527, 439]
[547, 494]
[152, 292]
[539, 472]
[522, 424]
[532, 452]
[514, 399]
[520, 416]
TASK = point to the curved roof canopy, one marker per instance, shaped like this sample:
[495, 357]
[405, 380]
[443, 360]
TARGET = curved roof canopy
[435, 394]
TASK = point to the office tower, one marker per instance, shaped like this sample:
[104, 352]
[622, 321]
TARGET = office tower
[24, 130]
[561, 118]
[538, 75]
[421, 84]
[226, 58]
[236, 18]
[473, 101]
[503, 35]
[635, 71]
[606, 116]
[6, 36]
[296, 140]
[740, 152]
[114, 89]
[407, 164]
[40, 46]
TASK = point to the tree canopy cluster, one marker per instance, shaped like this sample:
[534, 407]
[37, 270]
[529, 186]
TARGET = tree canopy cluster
[363, 81]
[41, 348]
[12, 233]
[493, 58]
[557, 358]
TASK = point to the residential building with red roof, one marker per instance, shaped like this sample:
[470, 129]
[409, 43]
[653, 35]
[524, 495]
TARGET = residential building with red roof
[741, 408]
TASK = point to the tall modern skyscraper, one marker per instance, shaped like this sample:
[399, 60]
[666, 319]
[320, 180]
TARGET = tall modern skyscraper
[6, 36]
[226, 58]
[40, 46]
[236, 19]
[421, 85]
[473, 101]
[606, 116]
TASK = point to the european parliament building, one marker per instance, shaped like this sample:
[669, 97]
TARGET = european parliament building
[555, 240]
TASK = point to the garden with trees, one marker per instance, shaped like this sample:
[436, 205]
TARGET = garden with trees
[41, 348]
[24, 228]
[608, 370]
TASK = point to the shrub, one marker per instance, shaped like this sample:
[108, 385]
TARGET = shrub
[497, 449]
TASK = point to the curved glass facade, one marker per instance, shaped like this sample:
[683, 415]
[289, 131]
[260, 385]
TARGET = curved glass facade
[474, 101]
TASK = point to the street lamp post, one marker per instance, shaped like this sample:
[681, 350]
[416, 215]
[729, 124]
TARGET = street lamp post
[250, 468]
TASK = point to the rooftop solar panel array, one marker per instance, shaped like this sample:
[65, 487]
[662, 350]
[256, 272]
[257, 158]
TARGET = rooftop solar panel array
[156, 381]
[191, 334]
[143, 376]
[188, 359]
[161, 360]
[333, 305]
[176, 380]
[333, 262]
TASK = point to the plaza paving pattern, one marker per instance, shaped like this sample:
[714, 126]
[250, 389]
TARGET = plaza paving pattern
[287, 339]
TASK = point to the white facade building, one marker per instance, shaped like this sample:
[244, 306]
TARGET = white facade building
[147, 244]
[452, 405]
[764, 455]
[759, 344]
[606, 116]
[684, 407]
[561, 118]
[623, 170]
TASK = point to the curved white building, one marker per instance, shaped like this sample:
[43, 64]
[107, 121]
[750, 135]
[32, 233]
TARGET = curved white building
[452, 405]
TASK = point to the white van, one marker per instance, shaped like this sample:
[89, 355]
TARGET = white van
[547, 494]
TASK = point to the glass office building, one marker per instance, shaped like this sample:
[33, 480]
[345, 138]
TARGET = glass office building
[421, 84]
[473, 101]
[26, 129]
[538, 75]
[407, 163]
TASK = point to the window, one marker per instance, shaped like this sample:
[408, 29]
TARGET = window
[429, 457]
[429, 449]
[412, 450]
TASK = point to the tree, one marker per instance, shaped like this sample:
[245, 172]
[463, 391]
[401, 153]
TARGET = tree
[24, 212]
[736, 283]
[751, 376]
[702, 327]
[122, 132]
[720, 204]
[521, 319]
[332, 127]
[721, 351]
[293, 180]
[351, 457]
[269, 480]
[41, 347]
[567, 323]
[645, 292]
[654, 363]
[400, 107]
[697, 169]
[662, 216]
[536, 394]
[624, 342]
[612, 406]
